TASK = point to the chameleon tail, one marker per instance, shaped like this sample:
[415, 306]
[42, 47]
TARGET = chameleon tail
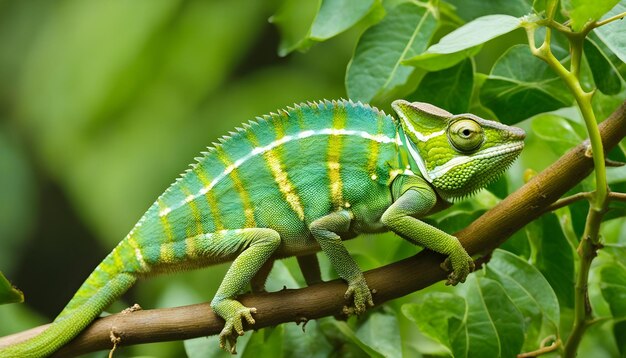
[105, 284]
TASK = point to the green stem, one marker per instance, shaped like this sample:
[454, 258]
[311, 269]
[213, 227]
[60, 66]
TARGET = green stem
[606, 21]
[589, 244]
[587, 251]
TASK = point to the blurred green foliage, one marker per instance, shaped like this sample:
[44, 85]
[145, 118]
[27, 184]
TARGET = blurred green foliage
[103, 103]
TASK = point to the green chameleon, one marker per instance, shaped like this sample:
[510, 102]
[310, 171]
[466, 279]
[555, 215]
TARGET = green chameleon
[292, 183]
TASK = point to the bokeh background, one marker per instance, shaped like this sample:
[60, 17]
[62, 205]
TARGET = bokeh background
[103, 104]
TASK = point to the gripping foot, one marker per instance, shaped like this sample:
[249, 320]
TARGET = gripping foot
[234, 313]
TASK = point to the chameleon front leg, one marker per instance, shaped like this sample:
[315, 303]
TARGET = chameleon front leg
[325, 230]
[261, 245]
[400, 217]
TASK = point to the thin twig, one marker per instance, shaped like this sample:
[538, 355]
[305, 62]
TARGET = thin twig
[568, 200]
[556, 344]
[617, 196]
[606, 21]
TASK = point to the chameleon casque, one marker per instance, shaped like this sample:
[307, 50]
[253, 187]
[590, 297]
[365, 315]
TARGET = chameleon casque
[293, 183]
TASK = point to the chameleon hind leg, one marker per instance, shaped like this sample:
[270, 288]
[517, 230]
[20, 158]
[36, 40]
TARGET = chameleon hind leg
[255, 247]
[325, 230]
[310, 267]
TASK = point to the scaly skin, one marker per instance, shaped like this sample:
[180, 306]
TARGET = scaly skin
[293, 183]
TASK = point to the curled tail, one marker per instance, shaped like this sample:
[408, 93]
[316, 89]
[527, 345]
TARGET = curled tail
[105, 284]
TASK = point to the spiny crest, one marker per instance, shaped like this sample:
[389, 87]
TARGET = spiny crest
[270, 119]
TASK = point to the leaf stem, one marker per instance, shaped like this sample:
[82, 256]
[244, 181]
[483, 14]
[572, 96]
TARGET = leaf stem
[589, 244]
[595, 24]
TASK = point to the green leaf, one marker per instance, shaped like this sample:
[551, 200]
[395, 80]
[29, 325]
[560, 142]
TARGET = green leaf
[265, 342]
[619, 333]
[8, 293]
[539, 5]
[612, 34]
[438, 61]
[517, 244]
[376, 68]
[440, 316]
[495, 326]
[450, 89]
[613, 282]
[351, 336]
[308, 341]
[499, 188]
[294, 20]
[280, 277]
[614, 289]
[616, 209]
[530, 292]
[336, 16]
[484, 324]
[605, 75]
[475, 33]
[471, 9]
[520, 86]
[210, 346]
[582, 11]
[553, 256]
[557, 131]
[458, 219]
[385, 341]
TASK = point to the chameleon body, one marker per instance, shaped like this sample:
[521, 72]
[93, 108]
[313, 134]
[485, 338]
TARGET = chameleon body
[293, 183]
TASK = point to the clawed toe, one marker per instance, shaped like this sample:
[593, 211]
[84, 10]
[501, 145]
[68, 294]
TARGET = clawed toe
[233, 326]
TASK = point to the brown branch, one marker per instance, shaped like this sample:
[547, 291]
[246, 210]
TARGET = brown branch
[617, 196]
[326, 299]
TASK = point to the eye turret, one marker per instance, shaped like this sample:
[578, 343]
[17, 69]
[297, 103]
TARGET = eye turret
[466, 135]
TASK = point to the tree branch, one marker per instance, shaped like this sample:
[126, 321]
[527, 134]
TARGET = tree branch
[326, 299]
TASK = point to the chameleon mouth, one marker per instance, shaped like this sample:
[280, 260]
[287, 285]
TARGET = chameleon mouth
[494, 152]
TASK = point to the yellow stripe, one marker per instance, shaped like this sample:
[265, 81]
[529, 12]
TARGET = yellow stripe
[239, 188]
[374, 149]
[210, 198]
[137, 252]
[333, 153]
[284, 184]
[116, 257]
[190, 245]
[272, 158]
[195, 212]
[166, 255]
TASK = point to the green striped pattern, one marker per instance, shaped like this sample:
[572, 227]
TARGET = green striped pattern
[281, 171]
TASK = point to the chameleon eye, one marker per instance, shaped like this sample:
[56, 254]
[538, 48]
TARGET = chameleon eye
[466, 135]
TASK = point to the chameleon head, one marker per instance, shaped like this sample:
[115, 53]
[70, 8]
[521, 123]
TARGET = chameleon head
[457, 154]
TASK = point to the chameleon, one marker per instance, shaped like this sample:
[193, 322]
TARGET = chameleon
[293, 183]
